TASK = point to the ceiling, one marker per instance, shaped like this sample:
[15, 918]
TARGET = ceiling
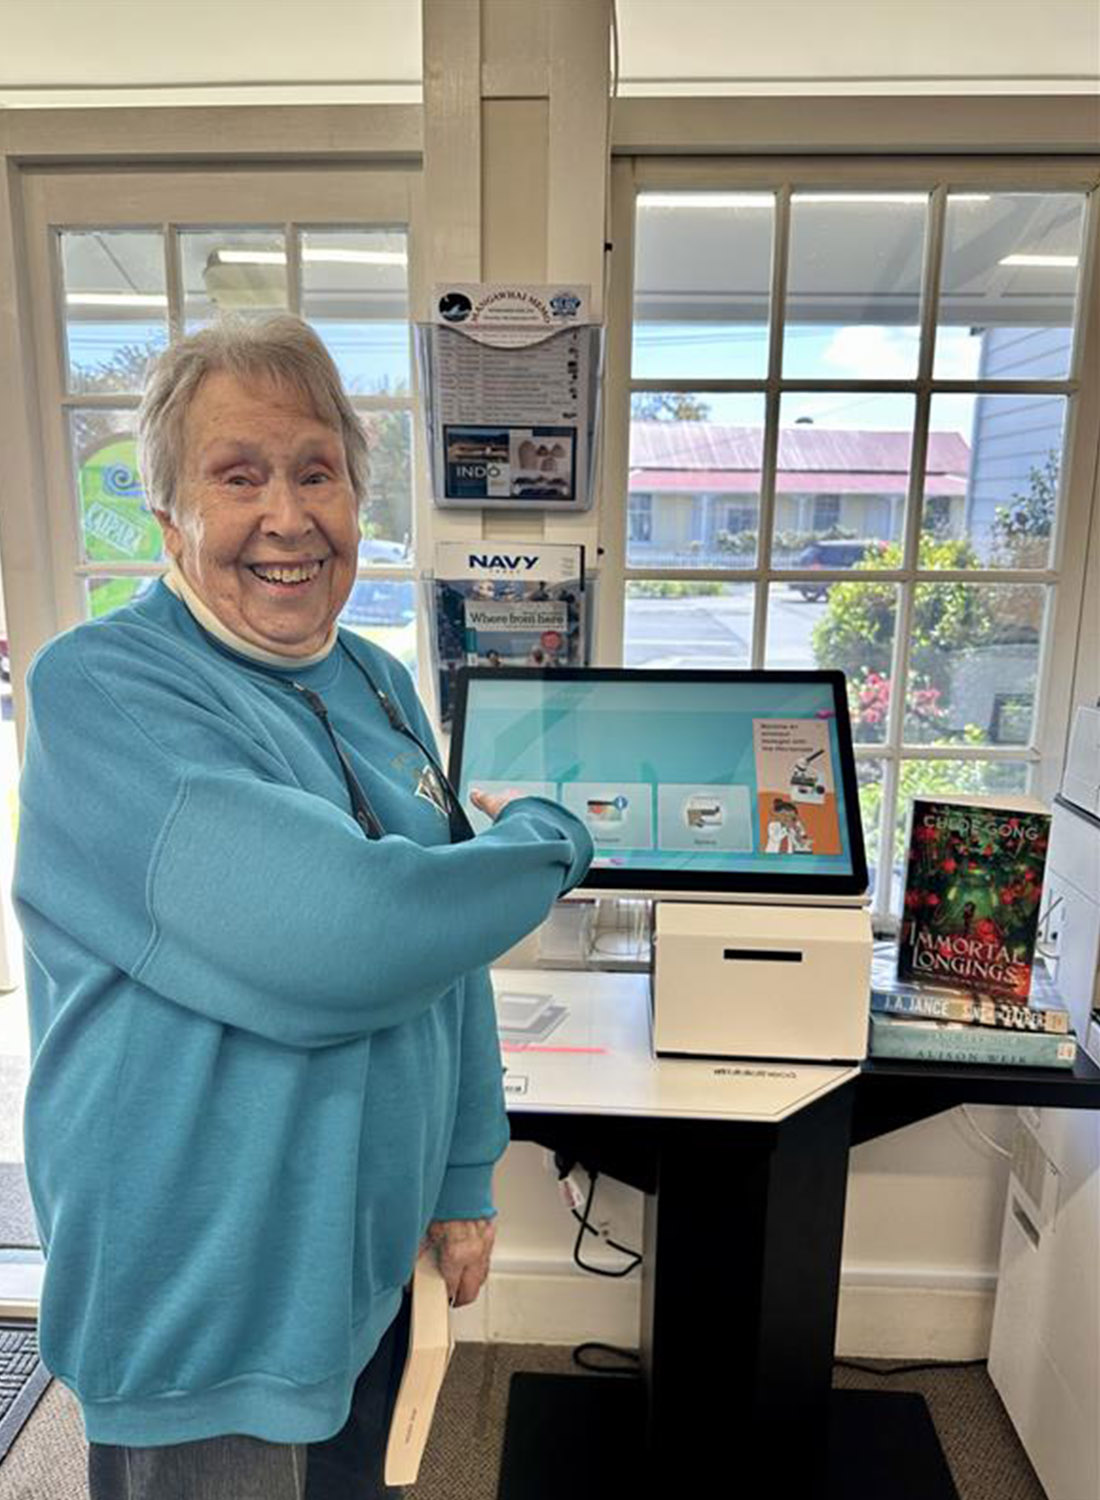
[351, 49]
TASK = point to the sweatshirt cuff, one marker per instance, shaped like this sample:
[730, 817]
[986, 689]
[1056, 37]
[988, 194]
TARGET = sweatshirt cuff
[568, 825]
[467, 1193]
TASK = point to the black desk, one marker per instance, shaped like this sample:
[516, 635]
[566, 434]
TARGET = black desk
[739, 1304]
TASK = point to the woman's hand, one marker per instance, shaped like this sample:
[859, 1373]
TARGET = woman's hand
[463, 1248]
[492, 804]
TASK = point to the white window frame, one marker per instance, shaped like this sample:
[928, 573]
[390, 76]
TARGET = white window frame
[1066, 571]
[290, 199]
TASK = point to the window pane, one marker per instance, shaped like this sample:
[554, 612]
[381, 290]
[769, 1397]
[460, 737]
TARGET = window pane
[869, 779]
[1009, 285]
[355, 293]
[684, 624]
[974, 657]
[116, 306]
[844, 627]
[853, 285]
[102, 595]
[383, 610]
[387, 515]
[241, 271]
[694, 480]
[841, 480]
[946, 778]
[116, 525]
[992, 484]
[702, 283]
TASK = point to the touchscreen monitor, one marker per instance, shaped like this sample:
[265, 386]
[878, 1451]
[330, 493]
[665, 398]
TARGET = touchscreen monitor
[706, 781]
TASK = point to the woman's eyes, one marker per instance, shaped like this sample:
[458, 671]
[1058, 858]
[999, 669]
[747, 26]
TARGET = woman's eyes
[250, 481]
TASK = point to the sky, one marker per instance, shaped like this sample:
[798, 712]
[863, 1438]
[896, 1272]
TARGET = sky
[846, 352]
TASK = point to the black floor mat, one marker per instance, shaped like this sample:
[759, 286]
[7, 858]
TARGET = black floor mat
[23, 1378]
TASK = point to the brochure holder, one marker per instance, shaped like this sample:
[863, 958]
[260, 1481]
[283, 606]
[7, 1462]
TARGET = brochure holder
[510, 384]
[761, 981]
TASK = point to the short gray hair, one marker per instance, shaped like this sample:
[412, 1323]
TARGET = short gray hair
[281, 348]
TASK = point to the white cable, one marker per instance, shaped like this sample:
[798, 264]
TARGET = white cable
[978, 1131]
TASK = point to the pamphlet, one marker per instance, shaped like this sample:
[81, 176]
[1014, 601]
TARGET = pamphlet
[506, 604]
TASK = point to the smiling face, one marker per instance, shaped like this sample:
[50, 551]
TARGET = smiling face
[267, 525]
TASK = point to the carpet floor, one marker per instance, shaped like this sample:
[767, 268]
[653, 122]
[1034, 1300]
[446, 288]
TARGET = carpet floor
[47, 1461]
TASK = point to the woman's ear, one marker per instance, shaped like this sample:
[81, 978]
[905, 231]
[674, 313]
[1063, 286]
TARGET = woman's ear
[173, 541]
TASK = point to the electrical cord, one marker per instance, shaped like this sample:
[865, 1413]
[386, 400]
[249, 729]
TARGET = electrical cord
[631, 1366]
[908, 1369]
[583, 1221]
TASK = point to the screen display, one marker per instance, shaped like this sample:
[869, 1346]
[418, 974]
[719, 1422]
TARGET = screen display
[741, 781]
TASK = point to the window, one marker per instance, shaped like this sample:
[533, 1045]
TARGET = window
[884, 371]
[640, 518]
[125, 288]
[826, 512]
[739, 518]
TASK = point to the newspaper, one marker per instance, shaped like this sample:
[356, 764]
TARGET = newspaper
[507, 604]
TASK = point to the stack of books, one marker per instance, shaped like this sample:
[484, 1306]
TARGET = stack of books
[930, 1023]
[962, 984]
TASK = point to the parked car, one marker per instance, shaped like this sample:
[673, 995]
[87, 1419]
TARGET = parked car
[381, 601]
[834, 554]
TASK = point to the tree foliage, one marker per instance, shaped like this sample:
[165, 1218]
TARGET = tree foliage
[1021, 530]
[668, 406]
[856, 635]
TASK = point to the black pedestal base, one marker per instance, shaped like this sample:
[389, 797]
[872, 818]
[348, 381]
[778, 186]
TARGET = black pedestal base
[883, 1446]
[573, 1436]
[578, 1437]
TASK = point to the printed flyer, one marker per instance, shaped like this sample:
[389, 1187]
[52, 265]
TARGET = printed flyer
[506, 604]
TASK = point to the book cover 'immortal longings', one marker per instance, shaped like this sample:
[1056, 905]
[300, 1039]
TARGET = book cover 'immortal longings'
[973, 882]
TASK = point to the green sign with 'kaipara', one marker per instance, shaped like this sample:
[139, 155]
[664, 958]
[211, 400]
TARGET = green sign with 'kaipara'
[117, 525]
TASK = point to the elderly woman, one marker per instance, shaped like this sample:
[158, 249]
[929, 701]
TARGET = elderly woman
[266, 1070]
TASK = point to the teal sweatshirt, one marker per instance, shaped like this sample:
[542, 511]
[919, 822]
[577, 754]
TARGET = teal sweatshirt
[264, 1049]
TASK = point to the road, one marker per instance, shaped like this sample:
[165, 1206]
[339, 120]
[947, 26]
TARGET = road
[717, 631]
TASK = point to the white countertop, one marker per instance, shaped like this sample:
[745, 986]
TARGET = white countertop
[598, 1059]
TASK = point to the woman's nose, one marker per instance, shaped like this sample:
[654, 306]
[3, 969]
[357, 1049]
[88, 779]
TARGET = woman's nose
[286, 511]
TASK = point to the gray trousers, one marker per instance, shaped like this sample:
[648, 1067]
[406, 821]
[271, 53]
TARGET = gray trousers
[347, 1466]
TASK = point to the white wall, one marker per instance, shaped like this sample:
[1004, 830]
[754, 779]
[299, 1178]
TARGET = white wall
[126, 52]
[875, 46]
[58, 51]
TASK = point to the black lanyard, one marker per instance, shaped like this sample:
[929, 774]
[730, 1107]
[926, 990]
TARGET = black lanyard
[363, 813]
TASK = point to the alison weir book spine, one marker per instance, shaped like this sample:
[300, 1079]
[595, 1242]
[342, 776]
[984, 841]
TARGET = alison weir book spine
[953, 1041]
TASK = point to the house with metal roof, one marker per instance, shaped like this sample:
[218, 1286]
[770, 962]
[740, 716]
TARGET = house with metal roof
[695, 488]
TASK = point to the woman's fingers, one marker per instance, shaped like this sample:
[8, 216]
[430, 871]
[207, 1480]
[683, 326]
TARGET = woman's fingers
[493, 803]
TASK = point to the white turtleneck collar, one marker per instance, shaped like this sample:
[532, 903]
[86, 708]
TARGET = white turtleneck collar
[209, 621]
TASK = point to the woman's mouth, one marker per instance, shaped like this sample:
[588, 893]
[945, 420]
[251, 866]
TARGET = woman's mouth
[287, 577]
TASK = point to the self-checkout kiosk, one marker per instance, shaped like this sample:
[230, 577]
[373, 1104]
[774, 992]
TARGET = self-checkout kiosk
[727, 799]
[1044, 1354]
